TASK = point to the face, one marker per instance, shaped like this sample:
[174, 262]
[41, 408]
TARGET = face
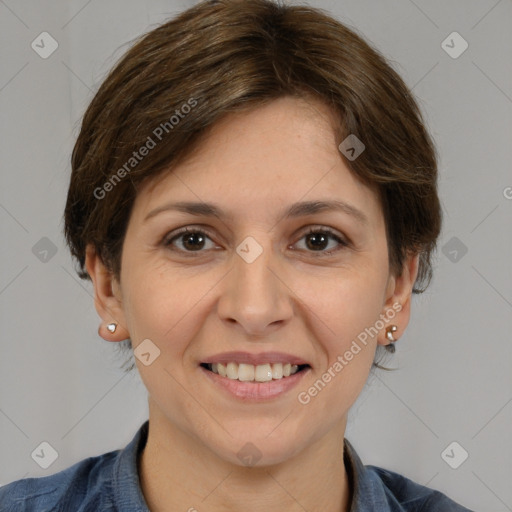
[275, 288]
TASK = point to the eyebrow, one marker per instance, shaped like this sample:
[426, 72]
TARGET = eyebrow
[301, 209]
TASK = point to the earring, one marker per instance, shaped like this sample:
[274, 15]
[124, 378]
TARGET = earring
[389, 335]
[389, 332]
[112, 327]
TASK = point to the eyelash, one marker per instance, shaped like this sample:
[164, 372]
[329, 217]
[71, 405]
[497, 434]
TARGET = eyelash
[169, 239]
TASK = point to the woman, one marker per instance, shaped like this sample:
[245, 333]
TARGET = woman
[254, 197]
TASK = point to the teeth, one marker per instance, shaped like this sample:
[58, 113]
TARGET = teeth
[245, 372]
[277, 371]
[262, 373]
[250, 373]
[221, 370]
[232, 371]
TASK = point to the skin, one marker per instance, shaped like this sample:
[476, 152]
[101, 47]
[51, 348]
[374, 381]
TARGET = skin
[291, 299]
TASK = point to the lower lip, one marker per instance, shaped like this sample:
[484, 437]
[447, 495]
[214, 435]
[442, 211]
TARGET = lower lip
[256, 391]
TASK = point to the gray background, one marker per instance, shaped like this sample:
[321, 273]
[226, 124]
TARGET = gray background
[60, 383]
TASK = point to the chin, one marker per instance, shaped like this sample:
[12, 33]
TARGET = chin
[257, 450]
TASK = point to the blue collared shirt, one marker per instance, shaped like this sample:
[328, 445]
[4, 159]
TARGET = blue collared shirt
[110, 483]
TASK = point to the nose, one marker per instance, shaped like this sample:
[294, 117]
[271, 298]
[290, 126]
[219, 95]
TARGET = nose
[255, 295]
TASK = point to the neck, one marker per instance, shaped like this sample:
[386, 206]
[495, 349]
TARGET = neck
[178, 472]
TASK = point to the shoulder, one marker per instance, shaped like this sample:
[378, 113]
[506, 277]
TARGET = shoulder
[376, 488]
[85, 486]
[409, 496]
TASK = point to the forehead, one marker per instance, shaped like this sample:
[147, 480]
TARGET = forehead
[277, 154]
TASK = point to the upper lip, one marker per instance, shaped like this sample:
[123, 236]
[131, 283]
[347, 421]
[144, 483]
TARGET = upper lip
[255, 359]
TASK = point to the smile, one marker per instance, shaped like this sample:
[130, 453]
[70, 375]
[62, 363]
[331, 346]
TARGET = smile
[254, 373]
[280, 378]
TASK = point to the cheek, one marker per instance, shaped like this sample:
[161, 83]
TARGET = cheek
[343, 302]
[167, 305]
[142, 303]
[154, 306]
[344, 311]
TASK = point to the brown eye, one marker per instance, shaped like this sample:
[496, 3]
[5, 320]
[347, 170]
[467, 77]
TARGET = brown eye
[190, 240]
[317, 240]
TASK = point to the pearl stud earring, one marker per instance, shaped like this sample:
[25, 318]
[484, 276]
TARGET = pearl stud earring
[389, 335]
[112, 327]
[389, 332]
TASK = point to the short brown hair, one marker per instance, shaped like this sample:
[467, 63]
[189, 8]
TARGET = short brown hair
[224, 56]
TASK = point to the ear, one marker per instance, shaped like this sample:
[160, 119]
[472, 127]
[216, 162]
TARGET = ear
[397, 306]
[107, 297]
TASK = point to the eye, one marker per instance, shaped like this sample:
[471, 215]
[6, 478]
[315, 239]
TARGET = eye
[193, 240]
[317, 238]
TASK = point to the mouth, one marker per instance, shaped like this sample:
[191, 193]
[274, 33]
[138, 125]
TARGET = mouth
[244, 372]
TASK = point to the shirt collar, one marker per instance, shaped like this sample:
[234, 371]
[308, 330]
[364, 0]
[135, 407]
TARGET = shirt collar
[126, 486]
[366, 488]
[367, 491]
